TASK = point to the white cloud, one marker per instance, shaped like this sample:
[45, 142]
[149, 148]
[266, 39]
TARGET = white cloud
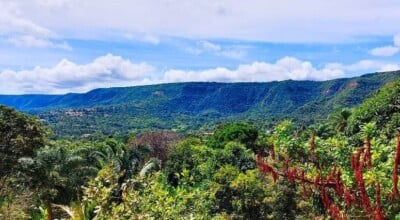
[385, 51]
[66, 76]
[208, 46]
[283, 69]
[28, 41]
[363, 65]
[265, 20]
[115, 71]
[203, 46]
[389, 67]
[146, 38]
[388, 51]
[23, 32]
[12, 23]
[366, 66]
[31, 41]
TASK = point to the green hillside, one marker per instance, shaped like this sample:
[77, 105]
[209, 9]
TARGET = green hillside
[348, 170]
[186, 107]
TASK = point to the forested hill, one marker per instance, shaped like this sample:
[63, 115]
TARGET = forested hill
[187, 106]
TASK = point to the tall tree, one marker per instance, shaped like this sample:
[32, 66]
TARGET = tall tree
[20, 136]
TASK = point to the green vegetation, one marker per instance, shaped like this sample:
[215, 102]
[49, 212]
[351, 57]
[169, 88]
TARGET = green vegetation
[194, 107]
[343, 167]
[20, 136]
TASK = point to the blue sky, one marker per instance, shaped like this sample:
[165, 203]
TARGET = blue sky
[61, 46]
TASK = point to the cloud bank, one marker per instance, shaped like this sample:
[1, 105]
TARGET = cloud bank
[66, 76]
[261, 20]
[114, 71]
[283, 69]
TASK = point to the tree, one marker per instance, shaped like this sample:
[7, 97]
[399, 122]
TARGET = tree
[236, 155]
[382, 109]
[242, 195]
[57, 174]
[284, 204]
[20, 136]
[340, 119]
[239, 132]
[190, 155]
[160, 143]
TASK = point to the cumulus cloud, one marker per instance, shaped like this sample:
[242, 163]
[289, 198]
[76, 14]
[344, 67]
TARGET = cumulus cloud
[285, 68]
[387, 51]
[115, 71]
[67, 76]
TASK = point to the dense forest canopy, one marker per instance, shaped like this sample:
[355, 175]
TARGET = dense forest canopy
[193, 107]
[343, 167]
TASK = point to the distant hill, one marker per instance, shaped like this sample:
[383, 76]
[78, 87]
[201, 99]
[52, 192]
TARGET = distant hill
[197, 105]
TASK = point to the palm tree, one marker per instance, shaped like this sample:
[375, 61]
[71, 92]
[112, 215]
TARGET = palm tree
[340, 119]
[57, 174]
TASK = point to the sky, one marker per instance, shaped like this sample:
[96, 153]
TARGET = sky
[64, 46]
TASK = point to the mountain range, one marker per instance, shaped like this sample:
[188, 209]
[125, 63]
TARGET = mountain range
[192, 106]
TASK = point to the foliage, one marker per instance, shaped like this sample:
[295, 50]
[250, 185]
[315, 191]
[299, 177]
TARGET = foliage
[382, 109]
[191, 156]
[239, 132]
[20, 136]
[99, 195]
[345, 167]
[160, 143]
[236, 155]
[240, 194]
[193, 107]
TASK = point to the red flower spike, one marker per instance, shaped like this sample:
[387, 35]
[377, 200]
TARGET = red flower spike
[334, 212]
[312, 147]
[352, 162]
[265, 168]
[395, 177]
[312, 142]
[286, 166]
[272, 151]
[367, 160]
[358, 168]
[348, 198]
[378, 208]
[275, 176]
[291, 175]
[316, 181]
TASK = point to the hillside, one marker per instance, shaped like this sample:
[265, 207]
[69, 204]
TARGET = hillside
[237, 172]
[192, 106]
